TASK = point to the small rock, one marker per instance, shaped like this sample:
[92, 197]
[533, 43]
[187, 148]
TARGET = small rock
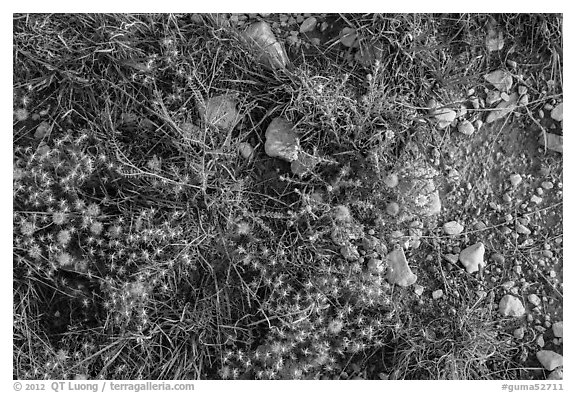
[505, 96]
[534, 299]
[475, 103]
[515, 179]
[519, 333]
[494, 40]
[453, 228]
[282, 140]
[399, 272]
[557, 374]
[348, 37]
[524, 100]
[547, 185]
[536, 199]
[493, 96]
[508, 285]
[42, 130]
[556, 113]
[393, 208]
[418, 289]
[437, 294]
[246, 150]
[463, 111]
[304, 164]
[540, 341]
[444, 117]
[473, 257]
[478, 124]
[553, 142]
[503, 109]
[452, 258]
[308, 25]
[558, 329]
[522, 90]
[498, 258]
[271, 53]
[522, 230]
[391, 180]
[550, 360]
[465, 127]
[500, 79]
[375, 266]
[511, 306]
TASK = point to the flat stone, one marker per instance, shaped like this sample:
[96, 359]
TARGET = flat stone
[437, 294]
[472, 258]
[556, 113]
[493, 96]
[522, 229]
[511, 306]
[444, 117]
[282, 140]
[550, 360]
[500, 79]
[452, 228]
[399, 272]
[558, 329]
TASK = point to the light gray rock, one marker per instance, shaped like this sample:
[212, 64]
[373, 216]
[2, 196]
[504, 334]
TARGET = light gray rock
[472, 258]
[269, 52]
[453, 228]
[418, 289]
[557, 374]
[465, 127]
[511, 306]
[515, 179]
[308, 25]
[503, 109]
[399, 272]
[282, 140]
[500, 79]
[550, 360]
[558, 329]
[437, 294]
[519, 333]
[534, 300]
[556, 113]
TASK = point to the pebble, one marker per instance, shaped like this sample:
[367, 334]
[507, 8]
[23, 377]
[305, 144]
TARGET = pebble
[519, 333]
[507, 198]
[282, 140]
[465, 127]
[508, 285]
[547, 185]
[536, 199]
[522, 90]
[308, 25]
[399, 272]
[557, 374]
[557, 328]
[556, 113]
[453, 228]
[437, 294]
[246, 150]
[522, 230]
[393, 208]
[515, 179]
[472, 258]
[391, 180]
[540, 341]
[500, 79]
[418, 289]
[550, 360]
[511, 306]
[534, 299]
[452, 258]
[478, 124]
